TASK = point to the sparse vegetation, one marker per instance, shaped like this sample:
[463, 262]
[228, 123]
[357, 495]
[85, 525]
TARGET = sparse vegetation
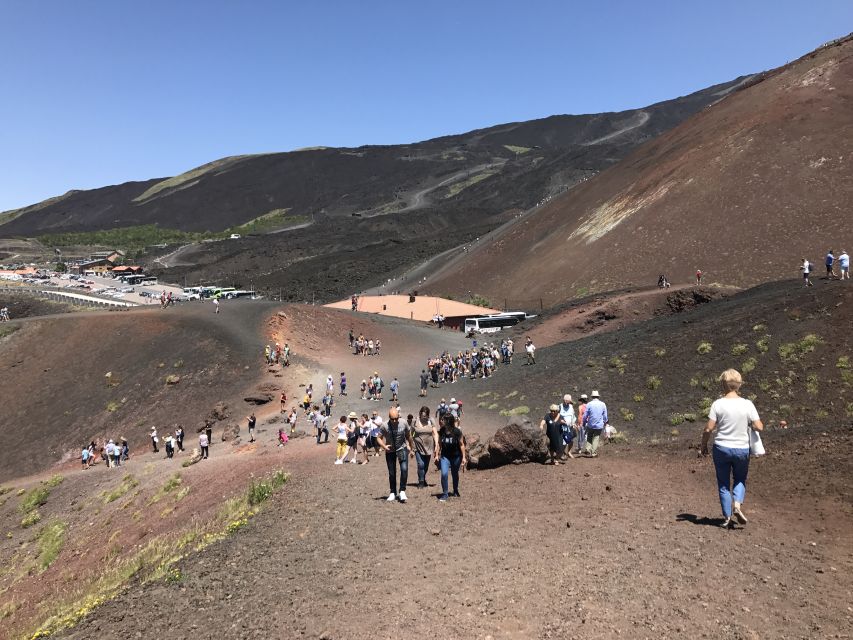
[262, 490]
[178, 364]
[54, 481]
[689, 417]
[639, 397]
[660, 352]
[675, 433]
[172, 379]
[704, 348]
[676, 419]
[748, 365]
[128, 482]
[705, 406]
[694, 381]
[479, 301]
[849, 409]
[511, 394]
[843, 362]
[170, 485]
[812, 385]
[482, 405]
[485, 394]
[793, 351]
[516, 149]
[516, 411]
[112, 406]
[34, 498]
[33, 517]
[759, 327]
[618, 363]
[50, 541]
[8, 328]
[493, 406]
[627, 415]
[739, 349]
[653, 382]
[619, 438]
[457, 187]
[763, 345]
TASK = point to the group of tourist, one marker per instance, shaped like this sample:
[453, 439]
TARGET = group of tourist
[277, 354]
[4, 314]
[112, 452]
[842, 260]
[362, 346]
[588, 426]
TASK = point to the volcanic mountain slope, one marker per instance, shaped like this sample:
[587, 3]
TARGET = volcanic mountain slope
[741, 190]
[510, 165]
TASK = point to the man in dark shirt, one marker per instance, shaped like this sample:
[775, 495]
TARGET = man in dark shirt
[252, 422]
[396, 439]
[424, 383]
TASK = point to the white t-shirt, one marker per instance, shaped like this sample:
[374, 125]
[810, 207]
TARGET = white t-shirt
[733, 416]
[342, 430]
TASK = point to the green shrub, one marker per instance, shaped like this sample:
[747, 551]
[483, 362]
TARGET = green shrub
[50, 541]
[479, 301]
[112, 407]
[660, 352]
[33, 517]
[54, 481]
[759, 327]
[739, 349]
[516, 411]
[619, 438]
[763, 345]
[34, 498]
[812, 384]
[849, 409]
[704, 348]
[705, 406]
[653, 382]
[511, 394]
[170, 485]
[627, 415]
[843, 362]
[793, 351]
[127, 483]
[748, 365]
[617, 363]
[178, 364]
[493, 406]
[482, 405]
[639, 397]
[676, 419]
[690, 417]
[694, 381]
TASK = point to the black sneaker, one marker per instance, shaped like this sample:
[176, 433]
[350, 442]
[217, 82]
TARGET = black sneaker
[455, 494]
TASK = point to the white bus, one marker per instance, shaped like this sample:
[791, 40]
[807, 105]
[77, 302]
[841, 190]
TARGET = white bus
[493, 323]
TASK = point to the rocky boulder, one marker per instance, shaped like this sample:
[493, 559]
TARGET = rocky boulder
[518, 442]
[258, 398]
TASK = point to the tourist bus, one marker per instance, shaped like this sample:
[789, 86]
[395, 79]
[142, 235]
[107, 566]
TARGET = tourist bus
[493, 323]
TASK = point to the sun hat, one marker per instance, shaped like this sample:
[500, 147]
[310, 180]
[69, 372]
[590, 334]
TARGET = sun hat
[567, 398]
[352, 415]
[584, 397]
[452, 400]
[594, 394]
[554, 407]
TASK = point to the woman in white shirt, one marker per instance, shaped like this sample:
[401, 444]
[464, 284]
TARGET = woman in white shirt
[732, 417]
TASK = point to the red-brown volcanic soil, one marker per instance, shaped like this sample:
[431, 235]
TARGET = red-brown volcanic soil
[626, 545]
[742, 190]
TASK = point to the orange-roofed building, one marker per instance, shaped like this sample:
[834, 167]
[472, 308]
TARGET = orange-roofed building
[422, 308]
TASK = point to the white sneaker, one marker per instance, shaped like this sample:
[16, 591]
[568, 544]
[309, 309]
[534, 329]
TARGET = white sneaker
[403, 496]
[353, 461]
[339, 461]
[391, 497]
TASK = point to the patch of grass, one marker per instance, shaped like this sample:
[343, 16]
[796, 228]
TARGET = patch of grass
[34, 498]
[675, 433]
[511, 394]
[516, 411]
[486, 394]
[627, 415]
[457, 187]
[739, 349]
[748, 365]
[639, 397]
[582, 291]
[183, 493]
[812, 385]
[493, 406]
[793, 351]
[759, 327]
[618, 363]
[5, 490]
[705, 405]
[262, 490]
[127, 483]
[847, 377]
[8, 329]
[112, 406]
[843, 362]
[653, 382]
[690, 417]
[33, 517]
[516, 149]
[178, 364]
[479, 301]
[704, 348]
[763, 344]
[694, 381]
[54, 481]
[172, 379]
[170, 485]
[821, 413]
[764, 385]
[482, 405]
[708, 383]
[50, 541]
[676, 419]
[619, 438]
[849, 409]
[660, 352]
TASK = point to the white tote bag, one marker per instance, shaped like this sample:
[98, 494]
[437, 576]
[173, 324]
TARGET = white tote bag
[756, 447]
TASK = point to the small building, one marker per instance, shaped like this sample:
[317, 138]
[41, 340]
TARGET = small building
[100, 267]
[113, 255]
[126, 270]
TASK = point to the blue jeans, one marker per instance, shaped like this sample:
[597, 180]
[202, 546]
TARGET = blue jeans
[391, 459]
[423, 466]
[452, 465]
[730, 462]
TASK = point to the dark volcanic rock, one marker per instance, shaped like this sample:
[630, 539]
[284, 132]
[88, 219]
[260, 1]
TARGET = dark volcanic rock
[258, 398]
[519, 441]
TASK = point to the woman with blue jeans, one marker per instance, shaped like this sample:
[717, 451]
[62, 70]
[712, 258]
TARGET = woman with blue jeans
[732, 417]
[450, 454]
[425, 436]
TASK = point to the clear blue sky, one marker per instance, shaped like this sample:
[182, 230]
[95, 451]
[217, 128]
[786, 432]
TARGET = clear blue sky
[100, 92]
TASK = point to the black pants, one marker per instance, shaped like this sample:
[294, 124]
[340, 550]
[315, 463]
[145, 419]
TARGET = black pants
[320, 432]
[204, 452]
[391, 459]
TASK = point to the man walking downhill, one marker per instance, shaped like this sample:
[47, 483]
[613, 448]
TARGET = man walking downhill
[396, 439]
[530, 348]
[844, 265]
[594, 419]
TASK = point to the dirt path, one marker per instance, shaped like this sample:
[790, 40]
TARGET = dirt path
[621, 546]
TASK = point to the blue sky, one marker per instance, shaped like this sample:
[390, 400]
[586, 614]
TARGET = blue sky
[100, 92]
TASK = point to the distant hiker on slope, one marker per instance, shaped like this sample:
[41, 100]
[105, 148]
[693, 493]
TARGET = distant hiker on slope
[806, 268]
[732, 417]
[844, 265]
[530, 348]
[830, 262]
[698, 276]
[594, 419]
